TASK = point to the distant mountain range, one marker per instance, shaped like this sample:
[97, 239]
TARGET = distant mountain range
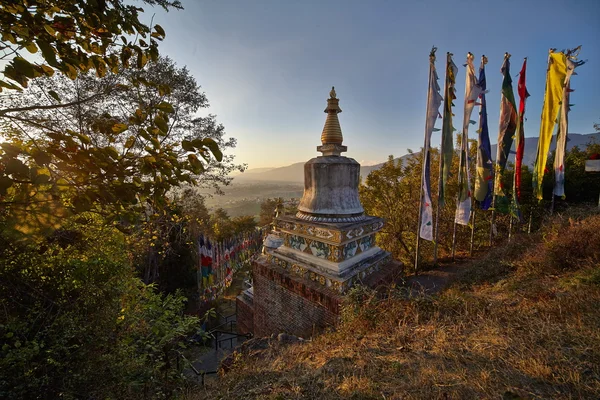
[295, 172]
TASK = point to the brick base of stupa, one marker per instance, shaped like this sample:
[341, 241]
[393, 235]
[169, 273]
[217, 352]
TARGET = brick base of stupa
[289, 300]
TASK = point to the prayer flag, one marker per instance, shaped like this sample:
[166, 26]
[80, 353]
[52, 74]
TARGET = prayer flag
[447, 146]
[434, 100]
[555, 81]
[506, 133]
[484, 184]
[472, 92]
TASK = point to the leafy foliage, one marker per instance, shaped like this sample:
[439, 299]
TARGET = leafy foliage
[77, 323]
[268, 207]
[223, 227]
[75, 36]
[392, 192]
[580, 186]
[113, 146]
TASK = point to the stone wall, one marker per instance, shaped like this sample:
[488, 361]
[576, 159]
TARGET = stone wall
[290, 304]
[245, 314]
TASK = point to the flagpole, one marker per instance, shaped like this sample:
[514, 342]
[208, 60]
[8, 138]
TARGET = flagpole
[473, 212]
[460, 161]
[493, 209]
[510, 225]
[552, 202]
[473, 208]
[454, 240]
[425, 154]
[437, 211]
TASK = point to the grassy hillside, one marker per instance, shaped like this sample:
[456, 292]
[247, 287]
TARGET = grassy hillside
[521, 322]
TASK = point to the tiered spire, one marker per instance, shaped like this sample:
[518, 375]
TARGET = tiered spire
[332, 138]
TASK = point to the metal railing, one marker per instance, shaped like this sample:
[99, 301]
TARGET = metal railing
[234, 335]
[201, 374]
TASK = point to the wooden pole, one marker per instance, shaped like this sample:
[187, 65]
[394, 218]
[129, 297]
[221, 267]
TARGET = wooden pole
[473, 212]
[454, 241]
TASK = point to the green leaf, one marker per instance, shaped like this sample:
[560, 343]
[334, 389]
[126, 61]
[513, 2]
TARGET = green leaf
[49, 29]
[159, 32]
[48, 52]
[24, 67]
[142, 59]
[112, 152]
[41, 179]
[31, 47]
[5, 184]
[23, 31]
[54, 95]
[9, 37]
[11, 73]
[15, 167]
[84, 138]
[10, 149]
[81, 204]
[130, 142]
[187, 145]
[41, 158]
[47, 70]
[161, 124]
[214, 148]
[197, 166]
[166, 107]
[69, 70]
[144, 134]
[119, 128]
[9, 85]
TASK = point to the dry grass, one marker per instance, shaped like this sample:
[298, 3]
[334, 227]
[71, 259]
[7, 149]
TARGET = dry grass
[522, 322]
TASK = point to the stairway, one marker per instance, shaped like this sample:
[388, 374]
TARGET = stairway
[224, 339]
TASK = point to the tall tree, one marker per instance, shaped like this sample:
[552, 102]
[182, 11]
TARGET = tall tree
[114, 145]
[74, 36]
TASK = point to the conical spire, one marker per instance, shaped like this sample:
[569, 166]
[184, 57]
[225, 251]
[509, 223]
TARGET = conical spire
[332, 132]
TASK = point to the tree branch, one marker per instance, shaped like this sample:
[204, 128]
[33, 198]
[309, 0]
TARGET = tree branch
[52, 107]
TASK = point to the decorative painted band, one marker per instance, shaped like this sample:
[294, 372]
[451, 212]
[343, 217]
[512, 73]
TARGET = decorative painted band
[316, 218]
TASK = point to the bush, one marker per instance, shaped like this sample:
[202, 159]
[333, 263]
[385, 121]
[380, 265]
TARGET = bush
[77, 323]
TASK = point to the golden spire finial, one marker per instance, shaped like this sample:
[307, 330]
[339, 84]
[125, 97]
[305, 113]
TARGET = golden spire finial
[332, 133]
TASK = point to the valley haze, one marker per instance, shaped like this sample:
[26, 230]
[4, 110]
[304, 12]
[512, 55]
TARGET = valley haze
[249, 189]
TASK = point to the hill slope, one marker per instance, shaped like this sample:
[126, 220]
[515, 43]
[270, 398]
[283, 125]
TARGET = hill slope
[295, 172]
[521, 322]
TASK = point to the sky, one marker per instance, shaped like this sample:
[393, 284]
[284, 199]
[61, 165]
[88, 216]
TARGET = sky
[267, 66]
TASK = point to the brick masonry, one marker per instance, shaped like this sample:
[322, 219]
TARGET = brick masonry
[290, 304]
[245, 315]
[295, 305]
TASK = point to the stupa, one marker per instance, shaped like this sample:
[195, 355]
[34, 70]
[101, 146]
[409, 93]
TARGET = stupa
[313, 257]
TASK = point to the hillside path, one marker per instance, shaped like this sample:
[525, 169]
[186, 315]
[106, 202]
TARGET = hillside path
[434, 280]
